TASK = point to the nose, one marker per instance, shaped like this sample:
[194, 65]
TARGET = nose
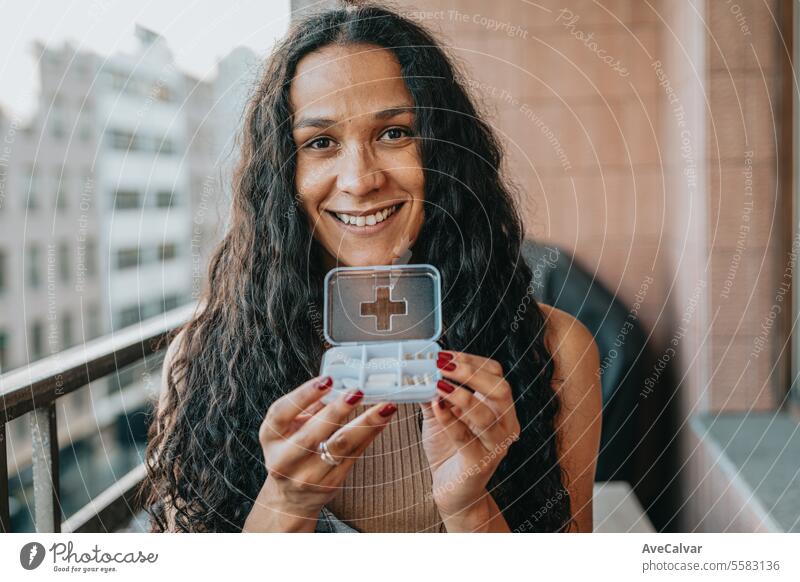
[359, 173]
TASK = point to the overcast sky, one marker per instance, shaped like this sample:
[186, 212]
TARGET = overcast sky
[199, 32]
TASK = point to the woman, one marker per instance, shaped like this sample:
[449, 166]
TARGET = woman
[362, 147]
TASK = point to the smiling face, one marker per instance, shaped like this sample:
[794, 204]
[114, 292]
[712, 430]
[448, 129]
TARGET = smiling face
[359, 171]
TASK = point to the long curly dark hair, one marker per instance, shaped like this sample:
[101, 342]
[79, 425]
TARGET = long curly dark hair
[256, 335]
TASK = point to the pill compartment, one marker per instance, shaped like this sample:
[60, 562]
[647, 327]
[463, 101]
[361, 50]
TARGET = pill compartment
[383, 323]
[344, 364]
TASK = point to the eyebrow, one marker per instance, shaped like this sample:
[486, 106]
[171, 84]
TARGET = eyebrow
[323, 123]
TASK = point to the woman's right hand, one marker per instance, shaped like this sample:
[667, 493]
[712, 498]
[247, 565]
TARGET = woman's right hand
[298, 481]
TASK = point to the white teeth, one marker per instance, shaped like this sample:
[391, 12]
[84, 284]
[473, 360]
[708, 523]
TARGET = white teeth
[369, 220]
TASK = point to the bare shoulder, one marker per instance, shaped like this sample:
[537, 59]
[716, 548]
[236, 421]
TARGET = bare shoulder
[569, 341]
[578, 423]
[576, 358]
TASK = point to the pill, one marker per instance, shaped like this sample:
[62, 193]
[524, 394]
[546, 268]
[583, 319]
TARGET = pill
[380, 380]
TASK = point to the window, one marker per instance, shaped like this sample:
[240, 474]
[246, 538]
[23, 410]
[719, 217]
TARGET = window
[60, 179]
[56, 118]
[165, 147]
[167, 251]
[151, 308]
[122, 140]
[92, 321]
[37, 340]
[90, 258]
[126, 376]
[127, 258]
[34, 276]
[128, 316]
[3, 267]
[164, 198]
[63, 262]
[66, 331]
[32, 189]
[3, 351]
[171, 302]
[125, 199]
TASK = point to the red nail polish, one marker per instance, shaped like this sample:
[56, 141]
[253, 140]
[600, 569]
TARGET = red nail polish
[442, 403]
[325, 383]
[444, 365]
[445, 356]
[387, 410]
[356, 396]
[444, 386]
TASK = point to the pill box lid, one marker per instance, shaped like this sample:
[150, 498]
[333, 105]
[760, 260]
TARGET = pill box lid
[386, 303]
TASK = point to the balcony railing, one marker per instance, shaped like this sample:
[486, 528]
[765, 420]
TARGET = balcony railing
[35, 389]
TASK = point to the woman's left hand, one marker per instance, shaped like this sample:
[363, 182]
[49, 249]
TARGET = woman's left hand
[467, 430]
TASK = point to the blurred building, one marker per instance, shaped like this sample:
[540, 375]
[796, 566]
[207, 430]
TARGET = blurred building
[111, 199]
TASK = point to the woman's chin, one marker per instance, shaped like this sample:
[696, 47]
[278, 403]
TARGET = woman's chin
[364, 259]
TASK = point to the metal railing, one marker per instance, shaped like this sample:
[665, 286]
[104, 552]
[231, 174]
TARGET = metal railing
[35, 389]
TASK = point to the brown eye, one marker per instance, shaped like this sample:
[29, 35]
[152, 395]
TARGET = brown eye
[320, 140]
[394, 132]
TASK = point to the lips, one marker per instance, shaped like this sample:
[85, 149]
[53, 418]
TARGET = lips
[366, 222]
[362, 220]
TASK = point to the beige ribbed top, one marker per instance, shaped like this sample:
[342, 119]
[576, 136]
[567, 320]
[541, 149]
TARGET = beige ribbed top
[388, 488]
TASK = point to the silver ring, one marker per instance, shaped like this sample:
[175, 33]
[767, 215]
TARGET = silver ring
[326, 455]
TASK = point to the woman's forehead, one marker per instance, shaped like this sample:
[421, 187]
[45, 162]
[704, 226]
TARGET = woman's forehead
[346, 81]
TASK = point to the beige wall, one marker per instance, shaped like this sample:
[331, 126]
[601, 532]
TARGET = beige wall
[613, 187]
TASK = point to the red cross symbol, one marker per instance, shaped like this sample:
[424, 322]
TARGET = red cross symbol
[383, 308]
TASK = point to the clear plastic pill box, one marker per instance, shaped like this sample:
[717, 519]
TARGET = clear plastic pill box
[383, 323]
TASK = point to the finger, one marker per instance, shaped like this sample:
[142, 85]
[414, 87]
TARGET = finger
[455, 430]
[360, 431]
[350, 441]
[473, 412]
[313, 409]
[478, 362]
[467, 372]
[304, 416]
[285, 409]
[322, 425]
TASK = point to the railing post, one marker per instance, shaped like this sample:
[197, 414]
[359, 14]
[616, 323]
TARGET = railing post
[5, 517]
[44, 438]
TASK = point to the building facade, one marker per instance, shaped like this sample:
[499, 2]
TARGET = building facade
[111, 199]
